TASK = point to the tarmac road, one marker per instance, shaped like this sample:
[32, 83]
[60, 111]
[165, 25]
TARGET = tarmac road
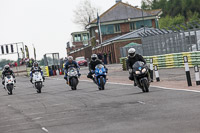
[118, 109]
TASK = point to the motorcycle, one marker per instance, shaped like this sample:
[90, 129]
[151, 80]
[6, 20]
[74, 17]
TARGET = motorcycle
[37, 81]
[99, 77]
[141, 75]
[9, 84]
[72, 78]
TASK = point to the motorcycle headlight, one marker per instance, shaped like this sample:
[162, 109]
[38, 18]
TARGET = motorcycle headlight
[137, 72]
[144, 70]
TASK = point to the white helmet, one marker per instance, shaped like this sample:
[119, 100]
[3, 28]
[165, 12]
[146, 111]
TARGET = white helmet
[70, 58]
[94, 57]
[131, 52]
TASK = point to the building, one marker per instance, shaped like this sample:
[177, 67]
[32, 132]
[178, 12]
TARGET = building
[120, 19]
[117, 25]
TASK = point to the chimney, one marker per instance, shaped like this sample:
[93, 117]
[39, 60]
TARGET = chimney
[118, 1]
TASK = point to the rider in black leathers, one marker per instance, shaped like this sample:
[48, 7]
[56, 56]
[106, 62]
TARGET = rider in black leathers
[7, 71]
[132, 58]
[94, 61]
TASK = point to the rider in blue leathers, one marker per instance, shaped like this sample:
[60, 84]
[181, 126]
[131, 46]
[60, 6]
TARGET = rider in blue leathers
[71, 63]
[34, 69]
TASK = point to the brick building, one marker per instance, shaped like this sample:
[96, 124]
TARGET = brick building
[112, 47]
[119, 26]
[122, 18]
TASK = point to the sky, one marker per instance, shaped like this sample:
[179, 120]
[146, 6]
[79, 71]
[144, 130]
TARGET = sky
[45, 24]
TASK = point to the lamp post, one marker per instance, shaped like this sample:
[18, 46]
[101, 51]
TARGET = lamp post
[142, 17]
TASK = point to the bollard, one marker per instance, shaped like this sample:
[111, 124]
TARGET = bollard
[156, 73]
[196, 71]
[151, 69]
[187, 71]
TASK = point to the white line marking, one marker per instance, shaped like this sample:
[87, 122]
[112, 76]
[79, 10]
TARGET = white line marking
[43, 128]
[141, 102]
[165, 88]
[37, 118]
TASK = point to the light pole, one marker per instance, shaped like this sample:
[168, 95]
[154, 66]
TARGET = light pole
[143, 19]
[142, 16]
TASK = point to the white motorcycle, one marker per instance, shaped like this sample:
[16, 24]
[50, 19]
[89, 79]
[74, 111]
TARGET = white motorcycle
[72, 78]
[9, 84]
[37, 81]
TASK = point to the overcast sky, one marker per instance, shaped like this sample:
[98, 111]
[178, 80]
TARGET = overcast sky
[45, 23]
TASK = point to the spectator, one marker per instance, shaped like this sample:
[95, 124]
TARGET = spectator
[100, 57]
[109, 57]
[15, 64]
[105, 58]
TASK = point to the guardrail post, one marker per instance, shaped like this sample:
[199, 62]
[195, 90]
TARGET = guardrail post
[196, 70]
[156, 73]
[151, 69]
[187, 71]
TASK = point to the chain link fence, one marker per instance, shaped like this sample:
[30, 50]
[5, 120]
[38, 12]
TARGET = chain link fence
[162, 41]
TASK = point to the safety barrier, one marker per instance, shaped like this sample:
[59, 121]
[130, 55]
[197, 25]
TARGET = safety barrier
[171, 60]
[45, 70]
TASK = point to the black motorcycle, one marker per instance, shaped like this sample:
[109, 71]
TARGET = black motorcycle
[141, 75]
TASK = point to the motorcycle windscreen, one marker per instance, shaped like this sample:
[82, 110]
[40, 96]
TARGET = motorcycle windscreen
[137, 65]
[99, 66]
[72, 71]
[8, 76]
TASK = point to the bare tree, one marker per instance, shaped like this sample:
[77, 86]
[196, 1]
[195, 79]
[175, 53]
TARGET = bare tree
[84, 13]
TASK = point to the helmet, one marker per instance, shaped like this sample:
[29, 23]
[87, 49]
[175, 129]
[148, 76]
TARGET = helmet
[70, 58]
[131, 52]
[94, 57]
[35, 64]
[6, 67]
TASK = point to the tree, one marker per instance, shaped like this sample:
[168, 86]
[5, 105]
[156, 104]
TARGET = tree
[85, 13]
[4, 62]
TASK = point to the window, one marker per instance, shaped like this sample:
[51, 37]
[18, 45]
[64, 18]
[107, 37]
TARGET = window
[147, 23]
[117, 28]
[132, 26]
[85, 37]
[107, 29]
[77, 37]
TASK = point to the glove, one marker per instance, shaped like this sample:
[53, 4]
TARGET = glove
[92, 71]
[106, 70]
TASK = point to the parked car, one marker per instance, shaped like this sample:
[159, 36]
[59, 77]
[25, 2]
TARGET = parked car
[81, 61]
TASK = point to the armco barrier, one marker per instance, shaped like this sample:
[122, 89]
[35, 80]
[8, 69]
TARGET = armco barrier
[173, 60]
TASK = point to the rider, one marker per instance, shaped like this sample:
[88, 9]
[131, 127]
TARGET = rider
[71, 63]
[132, 58]
[94, 61]
[7, 71]
[35, 68]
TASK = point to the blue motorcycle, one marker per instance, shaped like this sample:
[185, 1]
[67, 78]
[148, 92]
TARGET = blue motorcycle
[100, 76]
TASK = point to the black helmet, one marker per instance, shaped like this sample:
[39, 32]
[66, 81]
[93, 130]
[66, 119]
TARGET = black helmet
[35, 64]
[94, 57]
[7, 67]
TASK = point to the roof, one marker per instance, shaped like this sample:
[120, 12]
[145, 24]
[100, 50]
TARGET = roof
[154, 12]
[79, 32]
[131, 44]
[122, 11]
[131, 35]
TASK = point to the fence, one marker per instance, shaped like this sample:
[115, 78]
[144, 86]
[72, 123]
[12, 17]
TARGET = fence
[170, 60]
[160, 41]
[124, 50]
